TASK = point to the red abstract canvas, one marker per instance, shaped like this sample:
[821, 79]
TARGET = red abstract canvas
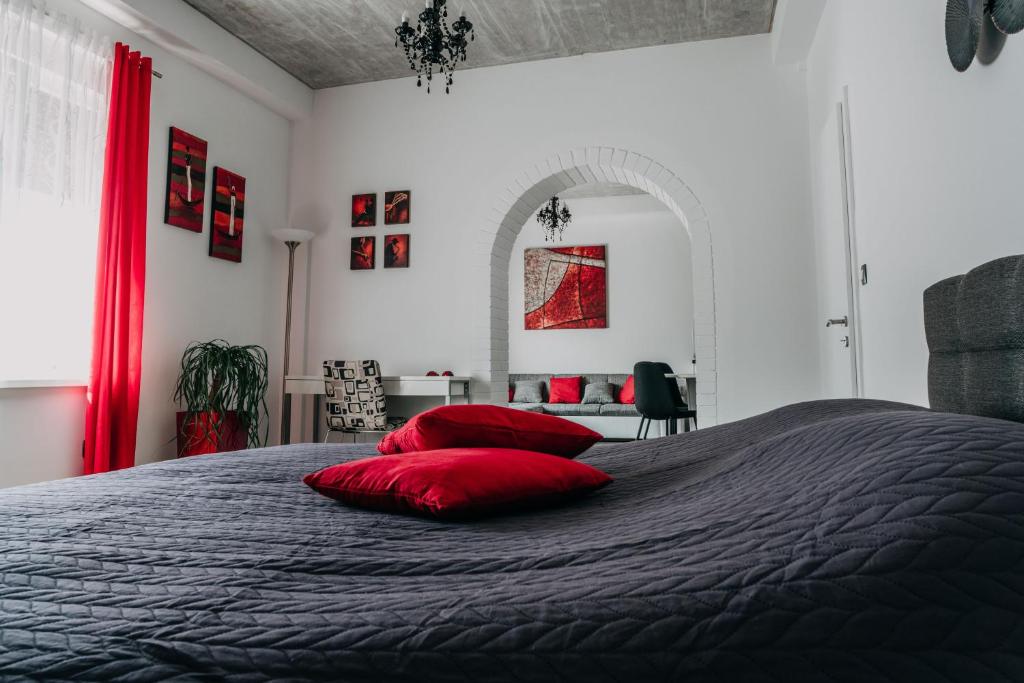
[363, 253]
[566, 288]
[186, 181]
[364, 210]
[396, 207]
[396, 251]
[227, 220]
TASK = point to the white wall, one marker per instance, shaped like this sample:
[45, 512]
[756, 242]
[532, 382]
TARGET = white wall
[936, 161]
[716, 113]
[650, 291]
[189, 296]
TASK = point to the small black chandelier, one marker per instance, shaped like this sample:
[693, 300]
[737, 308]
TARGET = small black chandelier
[554, 218]
[433, 45]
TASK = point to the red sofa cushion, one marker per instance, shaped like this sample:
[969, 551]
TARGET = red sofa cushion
[627, 394]
[566, 390]
[457, 483]
[487, 426]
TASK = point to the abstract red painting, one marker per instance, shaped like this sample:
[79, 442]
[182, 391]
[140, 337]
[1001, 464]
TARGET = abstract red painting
[363, 253]
[364, 210]
[186, 181]
[396, 207]
[396, 251]
[227, 219]
[566, 288]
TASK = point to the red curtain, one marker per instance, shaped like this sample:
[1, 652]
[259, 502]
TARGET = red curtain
[112, 410]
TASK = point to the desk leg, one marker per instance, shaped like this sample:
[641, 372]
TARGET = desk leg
[316, 418]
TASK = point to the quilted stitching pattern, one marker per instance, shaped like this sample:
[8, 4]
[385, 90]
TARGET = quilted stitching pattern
[831, 541]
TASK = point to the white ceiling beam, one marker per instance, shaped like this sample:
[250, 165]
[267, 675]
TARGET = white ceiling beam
[793, 30]
[187, 34]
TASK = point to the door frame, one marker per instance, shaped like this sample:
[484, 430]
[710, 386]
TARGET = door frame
[853, 283]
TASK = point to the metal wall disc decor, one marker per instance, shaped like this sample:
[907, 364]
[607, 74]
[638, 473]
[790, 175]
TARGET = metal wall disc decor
[963, 31]
[1008, 15]
[992, 40]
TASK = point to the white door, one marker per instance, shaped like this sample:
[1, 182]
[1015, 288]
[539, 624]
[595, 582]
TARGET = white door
[837, 264]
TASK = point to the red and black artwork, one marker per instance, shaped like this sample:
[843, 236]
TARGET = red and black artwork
[227, 220]
[396, 207]
[364, 210]
[363, 253]
[566, 288]
[396, 251]
[186, 181]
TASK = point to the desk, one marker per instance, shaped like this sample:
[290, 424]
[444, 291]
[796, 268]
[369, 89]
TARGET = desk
[404, 385]
[691, 387]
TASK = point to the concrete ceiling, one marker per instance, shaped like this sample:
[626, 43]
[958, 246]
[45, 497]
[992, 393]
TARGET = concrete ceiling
[326, 43]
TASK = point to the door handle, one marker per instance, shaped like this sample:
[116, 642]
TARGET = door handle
[844, 321]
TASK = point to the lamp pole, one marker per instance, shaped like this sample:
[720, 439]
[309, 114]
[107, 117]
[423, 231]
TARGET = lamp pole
[286, 398]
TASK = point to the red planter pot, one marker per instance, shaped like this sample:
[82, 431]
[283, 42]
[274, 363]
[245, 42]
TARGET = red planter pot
[199, 433]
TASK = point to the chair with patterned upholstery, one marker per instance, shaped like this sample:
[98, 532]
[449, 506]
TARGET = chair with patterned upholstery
[355, 399]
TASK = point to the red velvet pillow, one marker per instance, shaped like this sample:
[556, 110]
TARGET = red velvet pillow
[457, 483]
[566, 390]
[627, 394]
[486, 426]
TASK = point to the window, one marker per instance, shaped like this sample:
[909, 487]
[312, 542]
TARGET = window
[54, 80]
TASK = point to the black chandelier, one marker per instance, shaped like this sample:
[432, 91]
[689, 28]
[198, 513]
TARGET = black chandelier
[433, 45]
[554, 218]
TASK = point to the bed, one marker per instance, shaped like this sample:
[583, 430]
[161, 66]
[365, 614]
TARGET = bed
[849, 540]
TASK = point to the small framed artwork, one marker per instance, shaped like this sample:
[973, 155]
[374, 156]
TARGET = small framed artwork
[396, 207]
[186, 181]
[227, 219]
[364, 210]
[364, 253]
[396, 251]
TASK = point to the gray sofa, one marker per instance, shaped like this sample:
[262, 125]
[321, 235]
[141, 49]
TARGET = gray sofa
[613, 420]
[577, 409]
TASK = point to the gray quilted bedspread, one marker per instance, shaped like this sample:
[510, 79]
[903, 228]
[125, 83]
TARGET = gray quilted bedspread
[831, 541]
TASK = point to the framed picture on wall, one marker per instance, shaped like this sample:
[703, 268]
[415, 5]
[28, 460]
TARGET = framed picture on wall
[364, 254]
[227, 219]
[364, 210]
[396, 207]
[566, 288]
[396, 251]
[186, 181]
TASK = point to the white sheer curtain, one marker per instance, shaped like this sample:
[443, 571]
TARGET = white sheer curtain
[54, 82]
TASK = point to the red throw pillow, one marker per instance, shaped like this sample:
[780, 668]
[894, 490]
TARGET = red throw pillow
[566, 390]
[627, 394]
[487, 426]
[457, 483]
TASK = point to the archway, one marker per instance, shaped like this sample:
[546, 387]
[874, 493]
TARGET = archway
[519, 202]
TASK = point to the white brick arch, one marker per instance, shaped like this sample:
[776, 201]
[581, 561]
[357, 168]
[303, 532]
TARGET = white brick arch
[520, 201]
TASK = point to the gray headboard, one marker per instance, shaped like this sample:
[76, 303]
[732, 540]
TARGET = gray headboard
[975, 329]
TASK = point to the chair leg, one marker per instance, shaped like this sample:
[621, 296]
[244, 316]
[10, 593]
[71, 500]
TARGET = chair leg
[647, 431]
[640, 428]
[686, 424]
[327, 435]
[694, 423]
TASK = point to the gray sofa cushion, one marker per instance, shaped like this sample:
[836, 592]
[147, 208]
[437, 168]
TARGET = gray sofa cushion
[529, 407]
[528, 391]
[570, 409]
[599, 392]
[619, 410]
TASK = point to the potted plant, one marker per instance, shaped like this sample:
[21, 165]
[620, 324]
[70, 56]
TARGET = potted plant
[223, 390]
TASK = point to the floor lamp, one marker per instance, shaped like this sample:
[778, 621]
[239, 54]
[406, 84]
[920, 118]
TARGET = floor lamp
[292, 238]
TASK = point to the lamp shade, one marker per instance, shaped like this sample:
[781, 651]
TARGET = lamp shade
[292, 235]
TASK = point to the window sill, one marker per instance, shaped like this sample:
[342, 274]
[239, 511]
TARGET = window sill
[41, 383]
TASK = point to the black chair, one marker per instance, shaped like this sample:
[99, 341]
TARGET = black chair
[658, 398]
